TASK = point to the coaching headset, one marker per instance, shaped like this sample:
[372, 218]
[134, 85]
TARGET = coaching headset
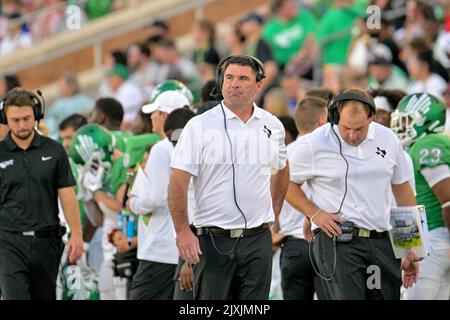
[256, 64]
[333, 119]
[333, 105]
[216, 93]
[38, 107]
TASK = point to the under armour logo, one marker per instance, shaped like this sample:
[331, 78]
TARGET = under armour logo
[267, 131]
[380, 152]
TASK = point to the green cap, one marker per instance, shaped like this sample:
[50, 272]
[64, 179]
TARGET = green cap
[118, 70]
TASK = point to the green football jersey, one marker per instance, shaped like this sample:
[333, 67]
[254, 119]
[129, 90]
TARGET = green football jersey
[74, 167]
[429, 152]
[136, 146]
[116, 176]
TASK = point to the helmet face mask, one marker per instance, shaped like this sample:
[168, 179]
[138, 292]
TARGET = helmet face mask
[416, 116]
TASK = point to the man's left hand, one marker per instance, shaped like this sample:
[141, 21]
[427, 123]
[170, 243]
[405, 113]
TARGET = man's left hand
[410, 267]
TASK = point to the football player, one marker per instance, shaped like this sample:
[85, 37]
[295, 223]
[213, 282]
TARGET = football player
[419, 123]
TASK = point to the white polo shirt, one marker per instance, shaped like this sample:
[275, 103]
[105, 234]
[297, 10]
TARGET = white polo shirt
[204, 151]
[290, 219]
[155, 239]
[373, 165]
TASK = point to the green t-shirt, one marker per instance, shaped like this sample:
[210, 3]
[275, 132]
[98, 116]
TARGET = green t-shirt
[286, 39]
[429, 152]
[335, 51]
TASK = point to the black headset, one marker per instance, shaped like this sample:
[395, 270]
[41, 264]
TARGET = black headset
[333, 105]
[256, 64]
[38, 107]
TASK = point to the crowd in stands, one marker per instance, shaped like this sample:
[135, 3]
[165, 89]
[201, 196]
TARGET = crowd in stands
[24, 22]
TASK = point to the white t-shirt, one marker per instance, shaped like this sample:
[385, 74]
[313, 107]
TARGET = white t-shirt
[155, 239]
[9, 45]
[374, 165]
[204, 151]
[131, 99]
[434, 85]
[290, 219]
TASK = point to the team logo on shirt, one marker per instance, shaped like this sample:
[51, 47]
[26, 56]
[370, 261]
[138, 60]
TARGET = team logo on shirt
[5, 164]
[381, 152]
[267, 131]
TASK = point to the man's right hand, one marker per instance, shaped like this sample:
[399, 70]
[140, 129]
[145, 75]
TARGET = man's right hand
[327, 222]
[188, 246]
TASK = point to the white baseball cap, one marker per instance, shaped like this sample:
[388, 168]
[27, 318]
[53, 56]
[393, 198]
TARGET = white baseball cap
[167, 102]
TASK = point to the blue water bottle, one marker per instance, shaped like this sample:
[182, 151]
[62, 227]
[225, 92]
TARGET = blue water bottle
[131, 226]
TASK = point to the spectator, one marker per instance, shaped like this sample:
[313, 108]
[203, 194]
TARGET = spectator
[50, 19]
[205, 55]
[15, 38]
[96, 9]
[110, 60]
[384, 35]
[181, 68]
[251, 27]
[7, 83]
[235, 40]
[125, 92]
[334, 36]
[204, 35]
[290, 33]
[157, 28]
[292, 89]
[70, 101]
[420, 68]
[141, 68]
[382, 73]
[276, 103]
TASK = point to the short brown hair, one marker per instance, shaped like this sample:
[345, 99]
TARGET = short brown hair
[320, 92]
[361, 92]
[308, 111]
[20, 98]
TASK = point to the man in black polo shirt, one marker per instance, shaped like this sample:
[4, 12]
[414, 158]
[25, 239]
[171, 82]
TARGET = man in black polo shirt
[34, 171]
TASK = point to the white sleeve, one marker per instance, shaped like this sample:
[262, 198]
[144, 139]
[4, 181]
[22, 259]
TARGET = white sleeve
[279, 159]
[301, 163]
[187, 155]
[157, 170]
[436, 174]
[403, 170]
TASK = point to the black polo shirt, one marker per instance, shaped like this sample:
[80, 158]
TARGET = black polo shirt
[29, 183]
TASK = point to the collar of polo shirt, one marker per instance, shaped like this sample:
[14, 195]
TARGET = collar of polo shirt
[257, 112]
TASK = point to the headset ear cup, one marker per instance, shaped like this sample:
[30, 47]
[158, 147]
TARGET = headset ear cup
[334, 117]
[3, 119]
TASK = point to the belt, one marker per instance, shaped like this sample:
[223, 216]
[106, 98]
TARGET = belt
[363, 233]
[373, 234]
[52, 233]
[230, 233]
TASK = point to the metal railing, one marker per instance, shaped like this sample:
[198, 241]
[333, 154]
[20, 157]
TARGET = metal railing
[12, 64]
